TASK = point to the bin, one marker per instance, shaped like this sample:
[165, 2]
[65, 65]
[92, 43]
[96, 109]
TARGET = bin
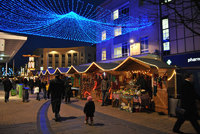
[19, 89]
[172, 106]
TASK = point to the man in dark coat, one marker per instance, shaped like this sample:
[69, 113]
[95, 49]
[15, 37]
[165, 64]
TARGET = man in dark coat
[56, 89]
[188, 102]
[7, 87]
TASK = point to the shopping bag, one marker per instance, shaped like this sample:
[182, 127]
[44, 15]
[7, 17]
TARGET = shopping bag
[36, 90]
[13, 92]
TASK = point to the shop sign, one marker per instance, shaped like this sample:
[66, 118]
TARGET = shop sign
[184, 60]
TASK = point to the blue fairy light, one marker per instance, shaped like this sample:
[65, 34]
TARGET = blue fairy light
[64, 19]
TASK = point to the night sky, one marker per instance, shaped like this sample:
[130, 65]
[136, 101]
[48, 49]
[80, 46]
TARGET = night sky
[34, 42]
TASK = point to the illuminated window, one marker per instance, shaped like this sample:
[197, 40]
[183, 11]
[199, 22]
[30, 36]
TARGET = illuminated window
[166, 46]
[144, 45]
[63, 60]
[166, 1]
[165, 33]
[117, 31]
[75, 59]
[118, 51]
[116, 14]
[125, 49]
[103, 54]
[103, 37]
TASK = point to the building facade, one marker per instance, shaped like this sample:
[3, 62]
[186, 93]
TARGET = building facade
[181, 33]
[64, 57]
[144, 42]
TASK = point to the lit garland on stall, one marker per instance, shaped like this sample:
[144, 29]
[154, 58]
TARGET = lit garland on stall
[64, 19]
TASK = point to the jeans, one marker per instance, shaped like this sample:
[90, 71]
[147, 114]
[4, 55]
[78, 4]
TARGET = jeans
[103, 97]
[6, 95]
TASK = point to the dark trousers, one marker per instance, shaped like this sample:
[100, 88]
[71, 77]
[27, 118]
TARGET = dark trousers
[103, 96]
[38, 96]
[87, 117]
[56, 106]
[31, 88]
[7, 95]
[67, 98]
[182, 119]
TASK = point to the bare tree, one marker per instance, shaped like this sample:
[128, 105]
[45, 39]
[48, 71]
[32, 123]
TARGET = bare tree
[187, 12]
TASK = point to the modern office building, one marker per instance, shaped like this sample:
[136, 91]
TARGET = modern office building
[140, 43]
[174, 36]
[181, 33]
[64, 57]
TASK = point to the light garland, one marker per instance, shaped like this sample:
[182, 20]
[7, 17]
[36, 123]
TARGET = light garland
[64, 19]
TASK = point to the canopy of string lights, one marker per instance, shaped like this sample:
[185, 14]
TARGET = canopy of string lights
[65, 19]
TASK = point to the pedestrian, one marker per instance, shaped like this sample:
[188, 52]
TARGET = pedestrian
[68, 91]
[56, 89]
[188, 103]
[31, 85]
[7, 87]
[25, 90]
[37, 84]
[44, 83]
[104, 89]
[89, 110]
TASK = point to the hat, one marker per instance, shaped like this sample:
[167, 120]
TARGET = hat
[89, 98]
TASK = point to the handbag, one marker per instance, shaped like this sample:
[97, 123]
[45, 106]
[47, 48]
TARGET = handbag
[179, 109]
[36, 90]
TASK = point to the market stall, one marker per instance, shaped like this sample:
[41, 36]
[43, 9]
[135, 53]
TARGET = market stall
[75, 72]
[144, 84]
[92, 77]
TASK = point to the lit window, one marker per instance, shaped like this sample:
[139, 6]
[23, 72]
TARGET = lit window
[117, 52]
[165, 23]
[166, 46]
[103, 37]
[165, 34]
[103, 54]
[144, 45]
[117, 31]
[116, 14]
[166, 1]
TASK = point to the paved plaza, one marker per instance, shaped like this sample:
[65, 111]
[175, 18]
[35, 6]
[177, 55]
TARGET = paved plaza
[35, 116]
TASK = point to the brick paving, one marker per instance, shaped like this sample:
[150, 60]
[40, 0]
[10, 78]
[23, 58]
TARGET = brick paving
[21, 118]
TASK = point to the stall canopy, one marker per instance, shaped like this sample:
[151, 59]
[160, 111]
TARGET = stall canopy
[61, 70]
[140, 64]
[76, 69]
[100, 67]
[42, 72]
[50, 71]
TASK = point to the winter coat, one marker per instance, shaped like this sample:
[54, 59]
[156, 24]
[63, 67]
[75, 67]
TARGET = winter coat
[56, 89]
[31, 83]
[89, 109]
[68, 86]
[7, 85]
[188, 100]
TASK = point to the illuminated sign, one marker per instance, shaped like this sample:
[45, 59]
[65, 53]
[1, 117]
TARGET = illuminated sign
[193, 60]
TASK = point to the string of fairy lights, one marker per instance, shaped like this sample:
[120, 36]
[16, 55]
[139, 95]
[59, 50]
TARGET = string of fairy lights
[65, 19]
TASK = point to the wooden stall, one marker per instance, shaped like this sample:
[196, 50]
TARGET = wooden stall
[154, 73]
